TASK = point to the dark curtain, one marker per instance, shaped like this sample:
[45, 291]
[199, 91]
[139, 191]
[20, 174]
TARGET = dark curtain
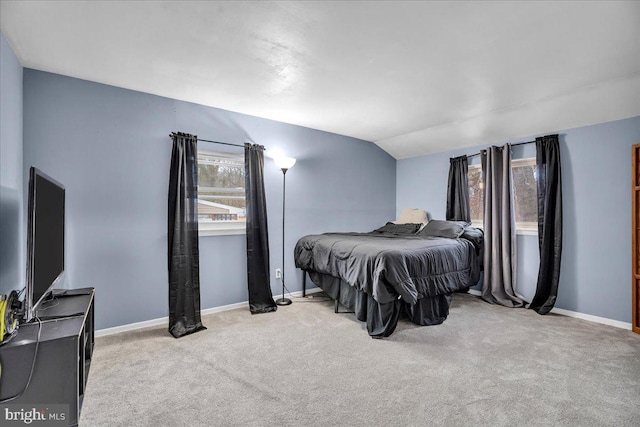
[458, 208]
[549, 222]
[184, 257]
[500, 260]
[260, 297]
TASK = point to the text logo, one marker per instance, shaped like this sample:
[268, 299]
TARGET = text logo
[34, 415]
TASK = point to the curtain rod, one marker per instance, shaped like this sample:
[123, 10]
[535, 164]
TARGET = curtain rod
[215, 142]
[513, 145]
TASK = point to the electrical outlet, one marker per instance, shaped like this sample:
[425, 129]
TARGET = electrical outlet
[278, 273]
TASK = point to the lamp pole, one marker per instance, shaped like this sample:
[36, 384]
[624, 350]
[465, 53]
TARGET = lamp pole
[284, 163]
[283, 300]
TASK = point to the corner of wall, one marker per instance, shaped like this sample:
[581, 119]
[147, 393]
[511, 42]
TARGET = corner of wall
[11, 170]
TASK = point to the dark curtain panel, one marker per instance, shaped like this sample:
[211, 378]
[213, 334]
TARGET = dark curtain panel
[500, 260]
[549, 222]
[260, 297]
[458, 208]
[184, 257]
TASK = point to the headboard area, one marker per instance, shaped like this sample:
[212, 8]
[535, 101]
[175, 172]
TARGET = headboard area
[413, 216]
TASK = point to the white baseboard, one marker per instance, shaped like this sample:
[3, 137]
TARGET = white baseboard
[165, 320]
[592, 318]
[578, 315]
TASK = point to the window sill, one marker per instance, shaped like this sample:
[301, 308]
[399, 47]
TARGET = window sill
[527, 231]
[519, 231]
[226, 228]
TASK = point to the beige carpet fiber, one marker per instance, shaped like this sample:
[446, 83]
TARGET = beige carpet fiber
[305, 365]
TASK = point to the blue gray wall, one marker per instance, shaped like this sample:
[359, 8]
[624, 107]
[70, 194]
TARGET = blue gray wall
[12, 245]
[596, 171]
[110, 147]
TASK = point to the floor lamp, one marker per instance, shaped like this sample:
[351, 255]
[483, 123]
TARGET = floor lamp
[284, 163]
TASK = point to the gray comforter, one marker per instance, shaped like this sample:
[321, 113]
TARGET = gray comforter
[389, 266]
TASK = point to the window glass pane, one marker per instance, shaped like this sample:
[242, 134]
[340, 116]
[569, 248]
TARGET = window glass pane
[525, 194]
[221, 195]
[476, 199]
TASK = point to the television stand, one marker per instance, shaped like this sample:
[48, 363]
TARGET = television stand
[59, 317]
[61, 370]
[62, 293]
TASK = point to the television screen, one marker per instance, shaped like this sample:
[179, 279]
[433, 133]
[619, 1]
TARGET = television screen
[45, 241]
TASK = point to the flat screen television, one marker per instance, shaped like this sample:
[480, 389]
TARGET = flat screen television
[45, 238]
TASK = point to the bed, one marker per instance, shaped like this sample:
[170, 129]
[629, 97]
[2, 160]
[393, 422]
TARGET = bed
[397, 270]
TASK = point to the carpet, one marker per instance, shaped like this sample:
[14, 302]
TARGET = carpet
[306, 365]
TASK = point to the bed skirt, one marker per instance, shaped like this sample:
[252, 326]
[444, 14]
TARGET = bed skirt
[381, 319]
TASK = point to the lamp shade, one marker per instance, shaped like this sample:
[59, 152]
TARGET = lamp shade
[285, 162]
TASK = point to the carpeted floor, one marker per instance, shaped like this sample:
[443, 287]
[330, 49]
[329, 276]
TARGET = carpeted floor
[305, 365]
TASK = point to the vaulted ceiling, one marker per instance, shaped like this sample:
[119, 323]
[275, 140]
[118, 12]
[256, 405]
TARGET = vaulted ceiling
[412, 77]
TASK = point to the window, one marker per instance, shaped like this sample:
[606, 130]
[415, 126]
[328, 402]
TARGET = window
[524, 194]
[476, 198]
[221, 196]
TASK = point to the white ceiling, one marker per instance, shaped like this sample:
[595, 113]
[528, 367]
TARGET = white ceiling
[413, 77]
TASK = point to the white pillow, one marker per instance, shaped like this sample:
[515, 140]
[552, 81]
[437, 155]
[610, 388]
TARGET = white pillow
[412, 216]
